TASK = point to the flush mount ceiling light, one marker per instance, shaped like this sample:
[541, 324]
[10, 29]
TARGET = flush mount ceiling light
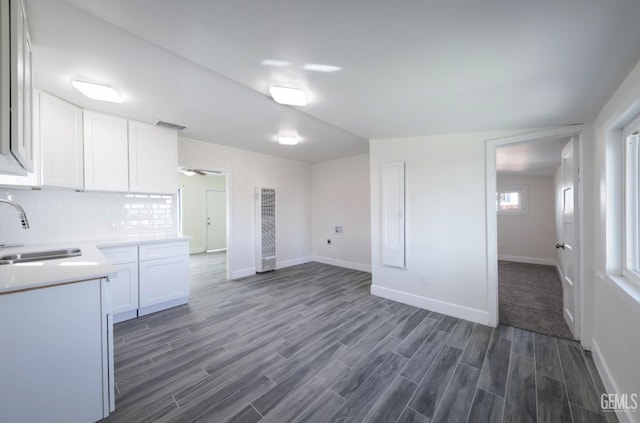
[288, 139]
[287, 95]
[321, 68]
[98, 91]
[276, 63]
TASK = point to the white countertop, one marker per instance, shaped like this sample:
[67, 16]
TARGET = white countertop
[39, 274]
[138, 240]
[90, 265]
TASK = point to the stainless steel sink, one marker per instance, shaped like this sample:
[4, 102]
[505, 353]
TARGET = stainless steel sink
[40, 255]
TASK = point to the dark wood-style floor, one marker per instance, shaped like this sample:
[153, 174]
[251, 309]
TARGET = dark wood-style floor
[310, 344]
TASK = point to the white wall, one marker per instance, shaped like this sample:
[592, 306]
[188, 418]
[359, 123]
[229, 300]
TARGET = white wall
[446, 223]
[616, 303]
[64, 215]
[341, 197]
[194, 208]
[529, 238]
[248, 170]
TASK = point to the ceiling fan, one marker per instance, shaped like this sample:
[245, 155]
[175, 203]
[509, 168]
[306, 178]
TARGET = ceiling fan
[191, 172]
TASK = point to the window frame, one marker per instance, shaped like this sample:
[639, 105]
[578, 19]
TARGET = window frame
[523, 193]
[631, 202]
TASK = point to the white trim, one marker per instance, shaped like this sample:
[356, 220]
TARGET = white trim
[491, 212]
[529, 260]
[607, 380]
[455, 310]
[237, 274]
[292, 262]
[342, 263]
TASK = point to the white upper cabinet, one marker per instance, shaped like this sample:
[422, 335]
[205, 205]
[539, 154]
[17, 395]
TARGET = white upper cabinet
[61, 143]
[16, 153]
[153, 159]
[106, 153]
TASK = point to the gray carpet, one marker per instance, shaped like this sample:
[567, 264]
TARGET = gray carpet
[531, 298]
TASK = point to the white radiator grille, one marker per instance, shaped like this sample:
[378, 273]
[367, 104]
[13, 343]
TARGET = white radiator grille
[265, 229]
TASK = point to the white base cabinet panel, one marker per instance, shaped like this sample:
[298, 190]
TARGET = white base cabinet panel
[124, 288]
[148, 278]
[124, 281]
[53, 354]
[163, 280]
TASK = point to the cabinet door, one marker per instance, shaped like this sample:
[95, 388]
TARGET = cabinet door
[163, 280]
[19, 147]
[124, 287]
[106, 153]
[26, 143]
[153, 159]
[61, 143]
[52, 354]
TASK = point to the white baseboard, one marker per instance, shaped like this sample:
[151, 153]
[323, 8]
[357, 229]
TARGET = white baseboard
[529, 260]
[250, 271]
[608, 381]
[343, 263]
[292, 262]
[455, 310]
[237, 274]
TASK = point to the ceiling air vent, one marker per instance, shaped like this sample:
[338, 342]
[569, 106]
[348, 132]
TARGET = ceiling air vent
[170, 125]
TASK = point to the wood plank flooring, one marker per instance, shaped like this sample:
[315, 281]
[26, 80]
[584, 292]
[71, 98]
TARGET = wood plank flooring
[310, 344]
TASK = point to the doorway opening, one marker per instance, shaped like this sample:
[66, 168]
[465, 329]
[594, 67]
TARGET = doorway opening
[530, 283]
[205, 214]
[533, 203]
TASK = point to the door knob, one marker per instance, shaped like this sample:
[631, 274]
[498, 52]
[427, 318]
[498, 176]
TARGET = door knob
[560, 246]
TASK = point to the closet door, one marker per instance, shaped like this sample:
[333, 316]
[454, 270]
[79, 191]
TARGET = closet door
[393, 215]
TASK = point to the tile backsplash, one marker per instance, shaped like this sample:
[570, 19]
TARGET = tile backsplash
[60, 215]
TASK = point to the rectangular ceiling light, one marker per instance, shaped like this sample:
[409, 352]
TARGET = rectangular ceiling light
[321, 68]
[288, 139]
[98, 91]
[288, 96]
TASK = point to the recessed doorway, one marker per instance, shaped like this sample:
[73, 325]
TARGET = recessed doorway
[204, 213]
[563, 220]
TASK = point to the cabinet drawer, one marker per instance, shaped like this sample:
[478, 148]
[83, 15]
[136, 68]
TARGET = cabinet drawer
[118, 255]
[164, 250]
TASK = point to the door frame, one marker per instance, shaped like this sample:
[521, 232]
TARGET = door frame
[492, 216]
[206, 215]
[228, 184]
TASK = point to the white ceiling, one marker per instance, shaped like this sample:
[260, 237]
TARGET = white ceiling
[409, 68]
[535, 158]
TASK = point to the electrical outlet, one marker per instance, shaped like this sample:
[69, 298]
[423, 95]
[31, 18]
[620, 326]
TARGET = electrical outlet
[423, 279]
[338, 230]
[329, 241]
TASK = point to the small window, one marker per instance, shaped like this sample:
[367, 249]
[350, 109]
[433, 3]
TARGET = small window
[631, 230]
[512, 201]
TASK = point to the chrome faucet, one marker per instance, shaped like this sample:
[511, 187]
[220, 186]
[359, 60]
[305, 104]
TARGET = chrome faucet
[23, 215]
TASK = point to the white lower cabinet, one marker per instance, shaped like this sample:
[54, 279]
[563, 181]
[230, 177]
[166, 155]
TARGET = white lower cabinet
[148, 278]
[124, 281]
[164, 276]
[55, 354]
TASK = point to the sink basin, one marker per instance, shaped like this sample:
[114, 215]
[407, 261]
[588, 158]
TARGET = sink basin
[40, 255]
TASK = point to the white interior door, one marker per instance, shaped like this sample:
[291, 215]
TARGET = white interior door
[568, 242]
[216, 220]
